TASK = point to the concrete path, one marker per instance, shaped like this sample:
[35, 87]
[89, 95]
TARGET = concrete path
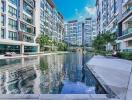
[114, 74]
[55, 97]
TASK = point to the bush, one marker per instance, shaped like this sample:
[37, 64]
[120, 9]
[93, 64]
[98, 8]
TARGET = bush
[104, 53]
[125, 55]
[62, 47]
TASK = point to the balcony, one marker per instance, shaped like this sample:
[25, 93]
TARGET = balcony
[30, 2]
[129, 9]
[27, 29]
[127, 31]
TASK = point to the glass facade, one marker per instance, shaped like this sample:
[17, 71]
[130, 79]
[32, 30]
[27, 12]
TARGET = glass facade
[12, 24]
[30, 49]
[12, 35]
[12, 11]
[9, 48]
[2, 33]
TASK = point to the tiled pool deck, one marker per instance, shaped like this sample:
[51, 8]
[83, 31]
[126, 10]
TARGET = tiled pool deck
[55, 97]
[114, 74]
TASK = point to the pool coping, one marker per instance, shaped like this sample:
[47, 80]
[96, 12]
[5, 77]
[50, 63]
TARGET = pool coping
[110, 94]
[25, 56]
[55, 96]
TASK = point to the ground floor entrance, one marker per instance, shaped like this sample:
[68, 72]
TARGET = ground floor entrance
[18, 49]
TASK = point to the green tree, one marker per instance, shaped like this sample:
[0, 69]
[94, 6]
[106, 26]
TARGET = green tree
[62, 46]
[43, 40]
[102, 40]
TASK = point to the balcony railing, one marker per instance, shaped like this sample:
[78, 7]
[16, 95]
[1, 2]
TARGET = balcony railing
[127, 11]
[127, 31]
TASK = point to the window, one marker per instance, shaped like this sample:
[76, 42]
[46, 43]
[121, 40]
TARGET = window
[12, 24]
[12, 11]
[13, 2]
[28, 9]
[2, 33]
[2, 20]
[129, 43]
[12, 35]
[2, 6]
[27, 19]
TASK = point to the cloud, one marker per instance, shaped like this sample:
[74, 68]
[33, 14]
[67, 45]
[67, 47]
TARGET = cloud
[91, 10]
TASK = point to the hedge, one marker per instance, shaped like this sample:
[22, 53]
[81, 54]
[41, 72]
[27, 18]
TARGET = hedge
[125, 55]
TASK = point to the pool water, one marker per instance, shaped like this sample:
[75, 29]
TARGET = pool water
[51, 74]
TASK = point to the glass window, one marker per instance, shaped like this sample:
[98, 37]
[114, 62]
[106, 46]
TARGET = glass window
[28, 9]
[12, 11]
[2, 33]
[2, 7]
[12, 24]
[13, 2]
[2, 20]
[12, 35]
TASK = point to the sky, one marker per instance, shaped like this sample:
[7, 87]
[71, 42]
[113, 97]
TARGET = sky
[76, 9]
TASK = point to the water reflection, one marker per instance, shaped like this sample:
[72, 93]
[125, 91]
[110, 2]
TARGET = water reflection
[54, 74]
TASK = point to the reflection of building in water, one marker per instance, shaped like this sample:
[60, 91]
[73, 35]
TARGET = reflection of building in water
[18, 81]
[52, 73]
[18, 77]
[73, 67]
[91, 81]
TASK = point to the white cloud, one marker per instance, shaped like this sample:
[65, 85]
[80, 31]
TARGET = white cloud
[91, 10]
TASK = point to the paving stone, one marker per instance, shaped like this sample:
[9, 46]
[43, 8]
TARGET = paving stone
[114, 73]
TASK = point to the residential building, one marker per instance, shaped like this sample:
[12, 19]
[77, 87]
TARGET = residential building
[22, 21]
[80, 32]
[115, 16]
[17, 26]
[124, 41]
[48, 20]
[73, 33]
[90, 31]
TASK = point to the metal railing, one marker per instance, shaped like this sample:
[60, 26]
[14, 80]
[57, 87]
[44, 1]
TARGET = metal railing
[127, 31]
[127, 11]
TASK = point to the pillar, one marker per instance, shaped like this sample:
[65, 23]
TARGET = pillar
[22, 49]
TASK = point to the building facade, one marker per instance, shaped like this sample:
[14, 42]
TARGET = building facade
[90, 31]
[73, 33]
[112, 16]
[22, 21]
[17, 26]
[49, 21]
[80, 32]
[124, 41]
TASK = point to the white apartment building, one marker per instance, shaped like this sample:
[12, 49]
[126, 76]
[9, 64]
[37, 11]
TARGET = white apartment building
[48, 20]
[115, 16]
[17, 26]
[124, 41]
[80, 32]
[22, 21]
[73, 33]
[90, 31]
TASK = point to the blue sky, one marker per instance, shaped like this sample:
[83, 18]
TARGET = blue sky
[76, 9]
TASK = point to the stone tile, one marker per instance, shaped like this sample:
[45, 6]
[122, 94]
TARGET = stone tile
[112, 72]
[18, 96]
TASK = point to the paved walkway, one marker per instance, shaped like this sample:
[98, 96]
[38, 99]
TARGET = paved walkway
[55, 97]
[114, 74]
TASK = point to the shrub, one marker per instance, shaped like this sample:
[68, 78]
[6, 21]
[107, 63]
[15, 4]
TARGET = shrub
[62, 47]
[125, 55]
[104, 53]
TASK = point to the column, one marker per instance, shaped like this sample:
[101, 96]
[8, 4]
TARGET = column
[22, 49]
